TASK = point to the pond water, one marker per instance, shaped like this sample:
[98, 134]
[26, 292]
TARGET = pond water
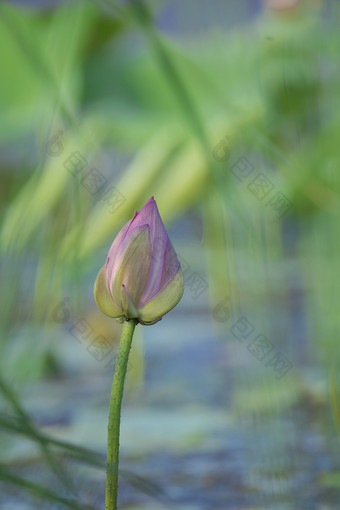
[209, 428]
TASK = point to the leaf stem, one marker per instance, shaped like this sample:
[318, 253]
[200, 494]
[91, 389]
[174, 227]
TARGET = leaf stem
[114, 415]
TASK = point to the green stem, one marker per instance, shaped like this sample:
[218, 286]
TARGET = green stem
[114, 415]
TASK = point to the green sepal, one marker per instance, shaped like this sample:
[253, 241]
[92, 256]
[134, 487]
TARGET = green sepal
[103, 297]
[164, 301]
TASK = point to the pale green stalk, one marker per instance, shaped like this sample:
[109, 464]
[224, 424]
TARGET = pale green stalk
[114, 415]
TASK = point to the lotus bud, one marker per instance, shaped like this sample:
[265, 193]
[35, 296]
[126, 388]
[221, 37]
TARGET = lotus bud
[142, 278]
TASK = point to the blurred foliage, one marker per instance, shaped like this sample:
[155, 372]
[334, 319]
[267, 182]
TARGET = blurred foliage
[171, 116]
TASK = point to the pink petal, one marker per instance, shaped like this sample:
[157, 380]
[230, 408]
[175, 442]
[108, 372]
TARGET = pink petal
[164, 259]
[115, 246]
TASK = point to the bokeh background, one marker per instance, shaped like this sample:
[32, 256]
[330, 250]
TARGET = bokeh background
[229, 114]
